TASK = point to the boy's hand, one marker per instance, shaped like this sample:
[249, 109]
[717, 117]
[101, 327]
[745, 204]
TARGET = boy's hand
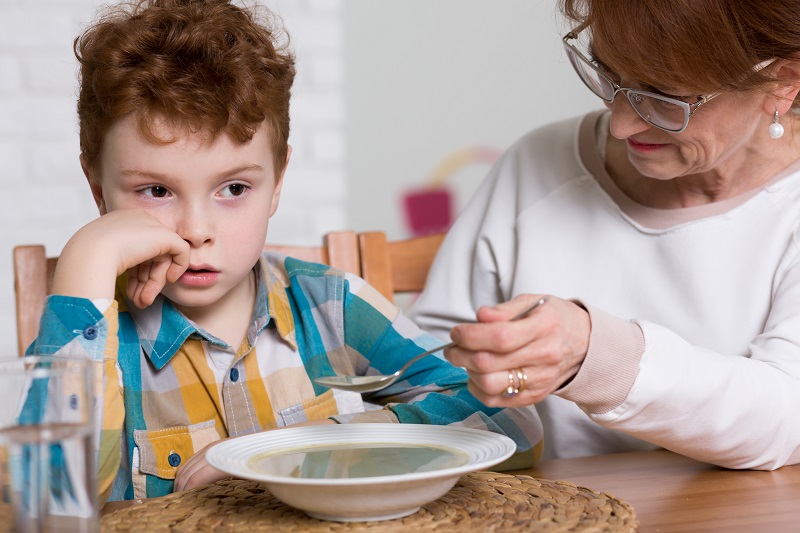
[125, 240]
[196, 471]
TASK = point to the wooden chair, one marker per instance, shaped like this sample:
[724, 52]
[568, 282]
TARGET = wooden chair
[396, 267]
[33, 274]
[339, 249]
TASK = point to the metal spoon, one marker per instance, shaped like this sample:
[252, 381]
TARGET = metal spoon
[381, 381]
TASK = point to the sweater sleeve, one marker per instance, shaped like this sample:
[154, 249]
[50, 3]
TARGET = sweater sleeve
[82, 328]
[724, 409]
[611, 364]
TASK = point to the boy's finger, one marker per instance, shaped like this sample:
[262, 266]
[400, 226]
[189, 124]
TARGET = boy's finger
[143, 271]
[175, 271]
[203, 476]
[133, 282]
[150, 292]
[177, 259]
[158, 271]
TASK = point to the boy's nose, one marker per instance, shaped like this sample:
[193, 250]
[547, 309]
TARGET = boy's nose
[194, 225]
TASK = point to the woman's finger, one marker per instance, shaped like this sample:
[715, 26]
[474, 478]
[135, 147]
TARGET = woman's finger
[506, 311]
[503, 336]
[519, 385]
[536, 353]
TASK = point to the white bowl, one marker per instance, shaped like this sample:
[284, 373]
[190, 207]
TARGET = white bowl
[360, 472]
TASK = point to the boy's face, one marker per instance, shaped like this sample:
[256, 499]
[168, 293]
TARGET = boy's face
[217, 195]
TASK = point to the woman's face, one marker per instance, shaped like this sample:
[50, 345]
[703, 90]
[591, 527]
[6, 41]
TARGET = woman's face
[720, 135]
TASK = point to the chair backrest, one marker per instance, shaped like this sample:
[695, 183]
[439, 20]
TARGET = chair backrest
[339, 249]
[33, 280]
[395, 267]
[33, 274]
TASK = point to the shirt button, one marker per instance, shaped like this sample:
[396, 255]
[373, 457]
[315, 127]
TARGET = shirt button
[73, 401]
[90, 333]
[234, 374]
[174, 459]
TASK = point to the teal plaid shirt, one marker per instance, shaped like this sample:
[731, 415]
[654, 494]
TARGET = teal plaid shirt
[171, 388]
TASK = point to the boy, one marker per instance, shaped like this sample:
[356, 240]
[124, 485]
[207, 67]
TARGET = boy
[184, 120]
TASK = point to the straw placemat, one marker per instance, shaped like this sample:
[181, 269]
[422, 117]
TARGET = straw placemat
[480, 501]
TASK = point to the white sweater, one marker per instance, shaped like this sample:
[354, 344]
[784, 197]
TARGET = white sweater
[695, 312]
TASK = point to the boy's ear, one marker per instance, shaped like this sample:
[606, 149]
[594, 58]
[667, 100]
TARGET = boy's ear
[276, 194]
[94, 185]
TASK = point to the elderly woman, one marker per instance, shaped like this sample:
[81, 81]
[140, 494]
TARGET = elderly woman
[663, 234]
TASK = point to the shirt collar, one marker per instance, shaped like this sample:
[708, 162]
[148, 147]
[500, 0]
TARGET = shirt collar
[162, 329]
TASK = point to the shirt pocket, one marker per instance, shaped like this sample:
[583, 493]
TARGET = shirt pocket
[317, 408]
[162, 451]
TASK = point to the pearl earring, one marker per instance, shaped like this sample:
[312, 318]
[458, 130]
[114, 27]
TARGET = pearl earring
[776, 129]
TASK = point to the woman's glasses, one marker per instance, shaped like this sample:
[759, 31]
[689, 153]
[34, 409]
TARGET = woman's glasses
[668, 114]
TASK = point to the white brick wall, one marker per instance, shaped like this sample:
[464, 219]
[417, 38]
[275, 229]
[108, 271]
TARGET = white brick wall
[44, 197]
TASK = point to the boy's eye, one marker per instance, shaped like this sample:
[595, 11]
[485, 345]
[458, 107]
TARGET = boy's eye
[156, 191]
[234, 189]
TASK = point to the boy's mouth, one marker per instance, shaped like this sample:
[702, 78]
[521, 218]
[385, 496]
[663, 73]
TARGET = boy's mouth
[200, 268]
[199, 276]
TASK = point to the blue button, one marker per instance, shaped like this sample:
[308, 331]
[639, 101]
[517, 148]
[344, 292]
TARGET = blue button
[234, 374]
[73, 402]
[174, 459]
[90, 333]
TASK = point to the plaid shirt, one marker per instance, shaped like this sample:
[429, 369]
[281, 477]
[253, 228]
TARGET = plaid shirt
[170, 388]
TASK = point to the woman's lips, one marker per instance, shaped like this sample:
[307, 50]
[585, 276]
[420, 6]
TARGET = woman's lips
[643, 147]
[198, 277]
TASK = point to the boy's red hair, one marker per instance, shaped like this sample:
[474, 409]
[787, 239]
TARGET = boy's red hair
[205, 65]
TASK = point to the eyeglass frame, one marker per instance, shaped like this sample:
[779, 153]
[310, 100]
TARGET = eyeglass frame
[688, 109]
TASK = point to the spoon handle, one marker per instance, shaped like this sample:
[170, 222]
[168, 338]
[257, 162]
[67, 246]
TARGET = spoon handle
[423, 354]
[525, 312]
[413, 360]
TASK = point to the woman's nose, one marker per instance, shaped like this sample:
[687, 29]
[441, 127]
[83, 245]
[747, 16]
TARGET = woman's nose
[625, 121]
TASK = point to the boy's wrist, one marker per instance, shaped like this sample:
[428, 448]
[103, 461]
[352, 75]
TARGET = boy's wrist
[83, 272]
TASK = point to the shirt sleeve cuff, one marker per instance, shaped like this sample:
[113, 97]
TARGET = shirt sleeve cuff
[73, 326]
[611, 366]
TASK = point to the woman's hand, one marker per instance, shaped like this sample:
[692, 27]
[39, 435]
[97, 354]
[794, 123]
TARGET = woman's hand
[125, 240]
[547, 347]
[196, 471]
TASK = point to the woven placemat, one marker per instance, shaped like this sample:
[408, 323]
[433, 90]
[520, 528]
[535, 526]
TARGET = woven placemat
[480, 501]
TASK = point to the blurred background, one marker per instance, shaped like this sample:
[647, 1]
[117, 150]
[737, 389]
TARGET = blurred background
[399, 109]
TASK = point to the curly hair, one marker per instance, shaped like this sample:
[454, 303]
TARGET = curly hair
[205, 65]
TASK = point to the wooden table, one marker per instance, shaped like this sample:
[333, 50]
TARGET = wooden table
[673, 493]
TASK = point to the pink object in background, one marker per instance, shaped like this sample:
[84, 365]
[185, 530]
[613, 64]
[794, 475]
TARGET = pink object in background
[428, 210]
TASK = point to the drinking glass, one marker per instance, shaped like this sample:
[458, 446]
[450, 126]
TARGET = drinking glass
[47, 456]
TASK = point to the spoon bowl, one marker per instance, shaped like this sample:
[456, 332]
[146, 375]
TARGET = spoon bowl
[377, 382]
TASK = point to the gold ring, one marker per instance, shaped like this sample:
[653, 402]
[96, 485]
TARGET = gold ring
[523, 379]
[512, 389]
